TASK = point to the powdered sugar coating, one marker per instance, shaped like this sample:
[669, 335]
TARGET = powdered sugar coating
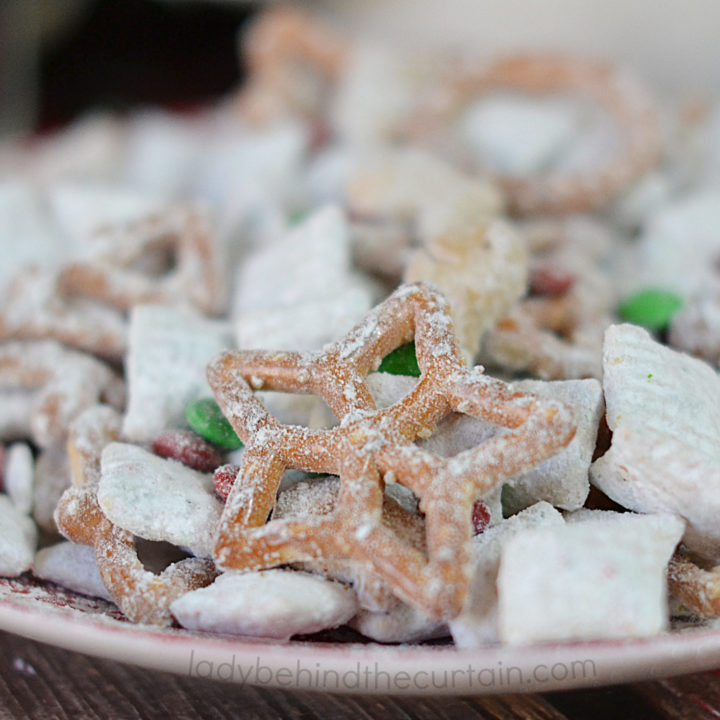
[72, 566]
[52, 478]
[21, 216]
[477, 624]
[314, 499]
[299, 292]
[169, 349]
[36, 307]
[271, 604]
[602, 576]
[695, 328]
[664, 410]
[369, 442]
[18, 476]
[157, 498]
[490, 128]
[677, 247]
[19, 537]
[400, 624]
[142, 595]
[128, 266]
[82, 208]
[67, 381]
[562, 480]
[564, 190]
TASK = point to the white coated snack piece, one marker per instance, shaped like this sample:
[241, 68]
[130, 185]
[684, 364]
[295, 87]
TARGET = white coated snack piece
[299, 293]
[695, 328]
[18, 537]
[247, 174]
[678, 247]
[644, 199]
[34, 306]
[375, 97]
[80, 209]
[89, 149]
[72, 566]
[164, 151]
[402, 182]
[477, 624]
[562, 480]
[663, 408]
[270, 604]
[18, 476]
[600, 577]
[158, 499]
[388, 388]
[165, 366]
[294, 409]
[308, 325]
[22, 216]
[52, 478]
[490, 128]
[401, 623]
[479, 265]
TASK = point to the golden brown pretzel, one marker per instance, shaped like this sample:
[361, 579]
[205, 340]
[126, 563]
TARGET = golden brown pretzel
[371, 447]
[619, 95]
[140, 594]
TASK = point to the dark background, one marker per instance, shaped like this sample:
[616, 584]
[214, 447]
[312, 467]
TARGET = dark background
[118, 54]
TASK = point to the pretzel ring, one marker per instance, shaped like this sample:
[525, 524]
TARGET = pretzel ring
[618, 94]
[372, 447]
[114, 278]
[141, 595]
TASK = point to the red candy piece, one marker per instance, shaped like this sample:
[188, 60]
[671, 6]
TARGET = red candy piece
[550, 281]
[187, 447]
[480, 517]
[224, 478]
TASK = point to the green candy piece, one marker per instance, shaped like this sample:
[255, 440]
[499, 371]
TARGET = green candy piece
[401, 361]
[298, 217]
[652, 308]
[206, 419]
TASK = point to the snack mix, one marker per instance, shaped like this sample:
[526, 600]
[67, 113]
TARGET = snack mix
[426, 347]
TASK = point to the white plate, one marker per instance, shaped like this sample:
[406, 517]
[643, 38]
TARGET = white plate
[52, 615]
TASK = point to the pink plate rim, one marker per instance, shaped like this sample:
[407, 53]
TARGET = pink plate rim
[349, 667]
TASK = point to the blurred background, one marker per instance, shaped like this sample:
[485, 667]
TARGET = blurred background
[62, 58]
[59, 58]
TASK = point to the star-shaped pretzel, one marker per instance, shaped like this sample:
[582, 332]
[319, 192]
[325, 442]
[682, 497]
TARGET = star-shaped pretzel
[370, 448]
